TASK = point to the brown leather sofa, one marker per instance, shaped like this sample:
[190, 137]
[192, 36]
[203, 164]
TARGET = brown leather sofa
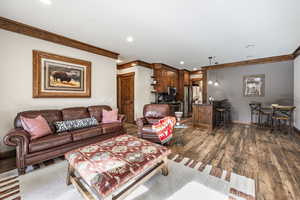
[152, 113]
[35, 151]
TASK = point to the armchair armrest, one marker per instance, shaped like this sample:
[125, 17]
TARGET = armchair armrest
[19, 138]
[140, 122]
[122, 118]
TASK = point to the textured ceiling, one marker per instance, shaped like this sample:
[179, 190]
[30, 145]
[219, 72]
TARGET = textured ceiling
[170, 31]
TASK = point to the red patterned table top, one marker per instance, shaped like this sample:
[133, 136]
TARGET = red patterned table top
[109, 164]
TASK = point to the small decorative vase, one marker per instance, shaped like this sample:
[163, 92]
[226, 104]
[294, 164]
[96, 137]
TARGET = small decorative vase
[178, 116]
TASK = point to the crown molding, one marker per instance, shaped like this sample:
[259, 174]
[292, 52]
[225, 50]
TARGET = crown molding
[251, 62]
[31, 31]
[133, 64]
[296, 52]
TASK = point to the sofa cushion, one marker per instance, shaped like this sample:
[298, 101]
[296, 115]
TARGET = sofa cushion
[36, 127]
[86, 133]
[50, 115]
[111, 127]
[70, 125]
[110, 116]
[49, 141]
[96, 111]
[75, 113]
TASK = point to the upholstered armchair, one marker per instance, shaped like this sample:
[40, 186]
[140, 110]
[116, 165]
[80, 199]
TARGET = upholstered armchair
[152, 113]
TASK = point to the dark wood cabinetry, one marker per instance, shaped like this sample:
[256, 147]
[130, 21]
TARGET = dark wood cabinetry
[166, 76]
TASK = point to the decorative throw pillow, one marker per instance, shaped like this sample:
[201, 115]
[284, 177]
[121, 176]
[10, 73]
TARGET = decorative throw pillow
[110, 116]
[69, 125]
[36, 127]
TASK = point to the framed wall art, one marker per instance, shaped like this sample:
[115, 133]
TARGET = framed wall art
[56, 76]
[254, 85]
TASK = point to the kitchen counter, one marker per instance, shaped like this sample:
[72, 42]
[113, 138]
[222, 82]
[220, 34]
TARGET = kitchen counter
[203, 116]
[175, 106]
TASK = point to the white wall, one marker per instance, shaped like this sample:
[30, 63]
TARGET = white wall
[142, 88]
[16, 78]
[297, 91]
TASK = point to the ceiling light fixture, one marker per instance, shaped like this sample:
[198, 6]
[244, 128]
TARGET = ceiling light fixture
[129, 39]
[210, 82]
[118, 61]
[47, 2]
[182, 62]
[216, 81]
[194, 68]
[250, 46]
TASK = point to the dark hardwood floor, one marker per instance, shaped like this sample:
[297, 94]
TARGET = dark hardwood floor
[271, 158]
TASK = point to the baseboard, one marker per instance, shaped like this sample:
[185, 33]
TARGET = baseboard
[7, 154]
[239, 122]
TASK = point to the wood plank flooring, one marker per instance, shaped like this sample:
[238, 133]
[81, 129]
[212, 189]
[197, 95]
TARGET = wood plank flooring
[271, 158]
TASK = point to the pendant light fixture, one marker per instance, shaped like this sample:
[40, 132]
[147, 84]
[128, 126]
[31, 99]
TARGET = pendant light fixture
[210, 82]
[216, 82]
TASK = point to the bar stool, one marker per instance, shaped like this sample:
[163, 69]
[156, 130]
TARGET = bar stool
[223, 112]
[283, 114]
[265, 112]
[255, 108]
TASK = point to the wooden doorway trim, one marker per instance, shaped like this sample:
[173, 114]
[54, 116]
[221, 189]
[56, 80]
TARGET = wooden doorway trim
[119, 104]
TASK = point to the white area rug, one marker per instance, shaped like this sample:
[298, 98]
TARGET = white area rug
[183, 182]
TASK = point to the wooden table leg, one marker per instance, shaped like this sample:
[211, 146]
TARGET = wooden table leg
[69, 174]
[164, 169]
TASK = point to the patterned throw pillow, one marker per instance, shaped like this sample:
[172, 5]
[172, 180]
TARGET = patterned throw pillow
[69, 125]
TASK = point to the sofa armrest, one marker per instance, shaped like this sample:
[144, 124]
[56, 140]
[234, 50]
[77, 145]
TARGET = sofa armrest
[19, 138]
[122, 118]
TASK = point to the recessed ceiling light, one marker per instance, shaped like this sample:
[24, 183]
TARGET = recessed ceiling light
[194, 68]
[182, 62]
[118, 61]
[250, 46]
[129, 39]
[133, 64]
[47, 2]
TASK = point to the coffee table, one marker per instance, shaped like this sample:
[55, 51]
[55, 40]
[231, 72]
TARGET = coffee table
[113, 168]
